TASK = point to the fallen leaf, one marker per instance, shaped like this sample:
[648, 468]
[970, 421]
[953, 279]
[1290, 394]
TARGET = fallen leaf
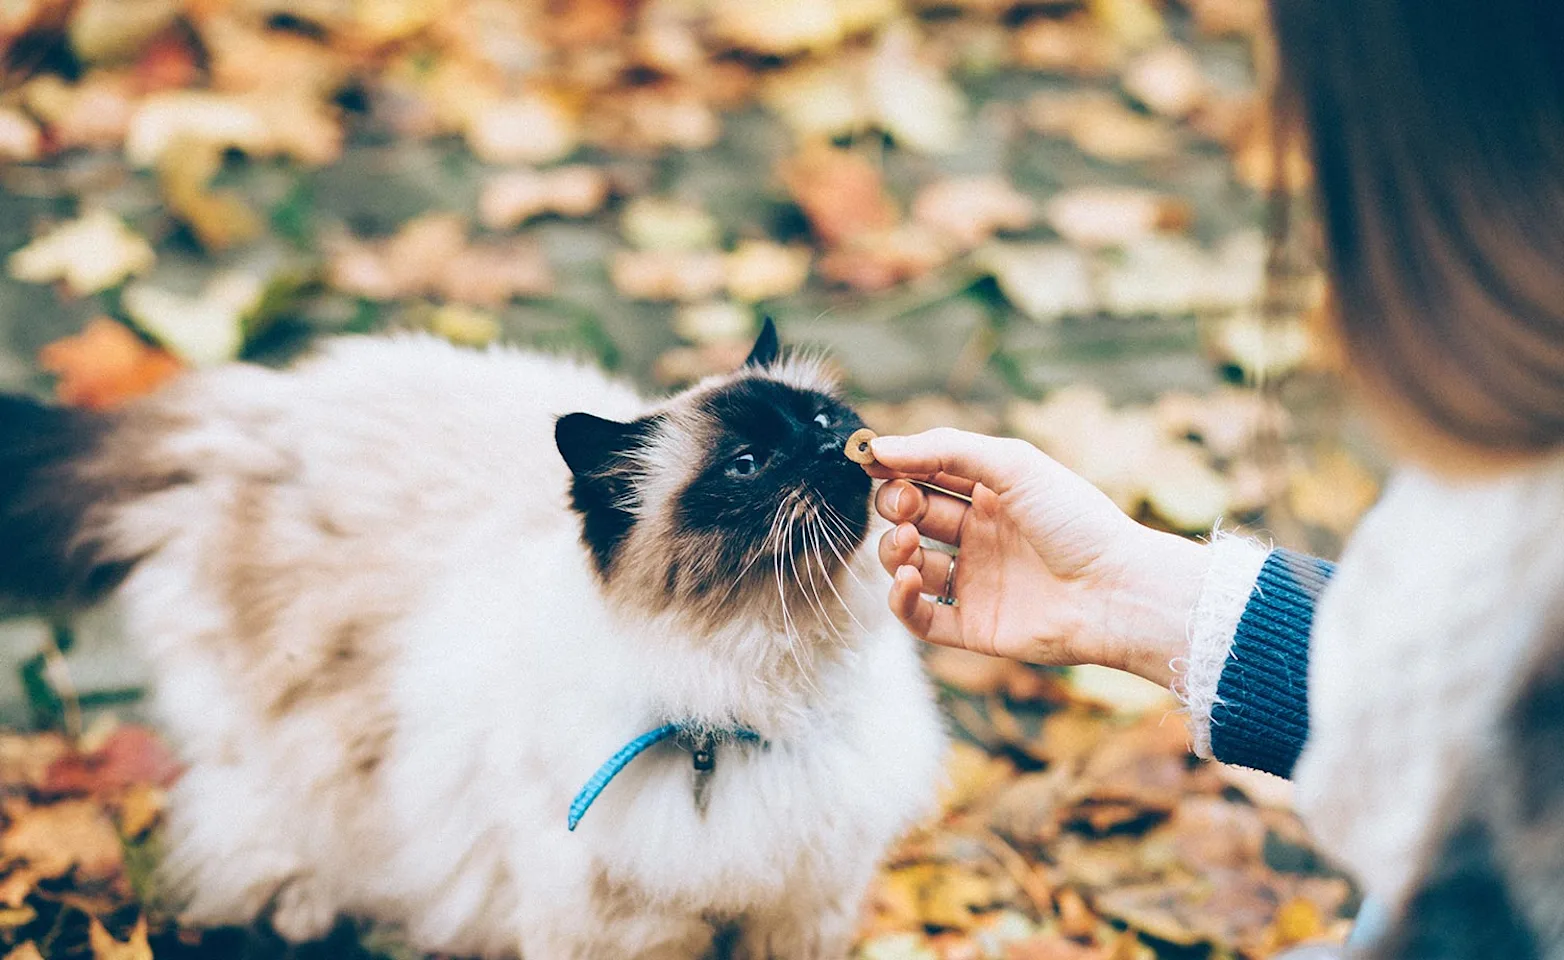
[1076, 45]
[1044, 281]
[1333, 492]
[531, 128]
[714, 322]
[1167, 80]
[203, 330]
[686, 365]
[1261, 349]
[947, 896]
[93, 112]
[878, 261]
[666, 225]
[19, 136]
[105, 947]
[970, 210]
[1298, 920]
[130, 755]
[842, 194]
[1076, 919]
[659, 275]
[91, 253]
[513, 197]
[1133, 23]
[464, 325]
[52, 839]
[219, 219]
[897, 946]
[106, 365]
[117, 29]
[760, 270]
[1113, 216]
[491, 274]
[819, 100]
[970, 774]
[1051, 947]
[140, 809]
[911, 99]
[27, 951]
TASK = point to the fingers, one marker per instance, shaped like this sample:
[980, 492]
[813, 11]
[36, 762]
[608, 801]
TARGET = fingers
[997, 463]
[924, 618]
[935, 515]
[900, 548]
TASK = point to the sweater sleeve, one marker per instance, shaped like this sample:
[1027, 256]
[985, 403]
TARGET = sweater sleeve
[1245, 682]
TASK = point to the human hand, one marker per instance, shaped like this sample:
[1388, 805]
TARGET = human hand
[1050, 571]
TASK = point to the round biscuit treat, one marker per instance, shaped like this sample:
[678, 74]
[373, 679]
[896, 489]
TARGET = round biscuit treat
[858, 450]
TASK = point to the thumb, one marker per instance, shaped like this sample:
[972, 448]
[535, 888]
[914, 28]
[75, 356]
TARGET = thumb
[999, 464]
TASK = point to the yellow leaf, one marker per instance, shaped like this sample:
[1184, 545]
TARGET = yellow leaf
[1134, 23]
[203, 330]
[761, 270]
[91, 253]
[664, 224]
[714, 322]
[1298, 920]
[105, 947]
[13, 917]
[464, 325]
[55, 838]
[970, 773]
[1334, 493]
[140, 809]
[27, 951]
[531, 128]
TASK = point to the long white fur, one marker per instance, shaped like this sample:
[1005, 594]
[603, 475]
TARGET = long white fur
[505, 680]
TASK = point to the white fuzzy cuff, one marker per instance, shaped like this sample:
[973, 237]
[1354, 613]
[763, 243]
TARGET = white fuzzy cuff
[1225, 591]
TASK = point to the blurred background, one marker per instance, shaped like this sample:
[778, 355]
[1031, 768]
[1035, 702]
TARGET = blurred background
[1049, 218]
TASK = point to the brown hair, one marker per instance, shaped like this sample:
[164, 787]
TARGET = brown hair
[1437, 133]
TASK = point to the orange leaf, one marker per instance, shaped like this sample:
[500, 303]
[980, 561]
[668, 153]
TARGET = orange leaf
[105, 365]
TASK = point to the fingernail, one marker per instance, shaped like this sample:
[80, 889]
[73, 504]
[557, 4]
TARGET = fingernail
[893, 501]
[885, 446]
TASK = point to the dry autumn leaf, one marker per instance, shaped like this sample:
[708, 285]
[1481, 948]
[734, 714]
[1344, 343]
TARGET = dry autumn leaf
[54, 839]
[106, 365]
[970, 210]
[1167, 80]
[513, 197]
[842, 194]
[91, 253]
[760, 270]
[1113, 216]
[105, 947]
[203, 330]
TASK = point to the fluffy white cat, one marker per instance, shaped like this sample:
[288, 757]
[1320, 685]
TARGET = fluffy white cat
[400, 612]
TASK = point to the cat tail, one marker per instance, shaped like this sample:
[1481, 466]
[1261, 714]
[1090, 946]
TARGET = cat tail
[56, 488]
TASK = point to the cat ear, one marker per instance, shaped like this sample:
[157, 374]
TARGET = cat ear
[590, 444]
[766, 348]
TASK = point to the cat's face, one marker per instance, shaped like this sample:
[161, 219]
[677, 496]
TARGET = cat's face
[735, 491]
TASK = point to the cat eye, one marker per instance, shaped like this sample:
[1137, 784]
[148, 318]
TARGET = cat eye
[743, 465]
[824, 419]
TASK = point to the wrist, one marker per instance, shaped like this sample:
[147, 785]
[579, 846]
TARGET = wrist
[1144, 622]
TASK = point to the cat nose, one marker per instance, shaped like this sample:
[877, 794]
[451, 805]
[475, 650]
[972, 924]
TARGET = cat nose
[832, 440]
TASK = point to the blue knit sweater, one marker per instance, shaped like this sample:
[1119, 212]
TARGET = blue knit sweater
[1261, 719]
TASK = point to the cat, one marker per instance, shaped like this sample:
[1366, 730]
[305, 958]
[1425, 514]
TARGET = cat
[403, 599]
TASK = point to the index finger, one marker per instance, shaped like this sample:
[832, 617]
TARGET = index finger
[999, 464]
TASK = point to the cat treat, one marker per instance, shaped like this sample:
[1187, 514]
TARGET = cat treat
[858, 450]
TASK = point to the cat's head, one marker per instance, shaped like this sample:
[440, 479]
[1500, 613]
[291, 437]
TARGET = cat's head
[731, 495]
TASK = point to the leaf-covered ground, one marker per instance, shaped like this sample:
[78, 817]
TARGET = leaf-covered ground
[1040, 217]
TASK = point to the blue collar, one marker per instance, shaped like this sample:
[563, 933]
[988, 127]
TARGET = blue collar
[704, 749]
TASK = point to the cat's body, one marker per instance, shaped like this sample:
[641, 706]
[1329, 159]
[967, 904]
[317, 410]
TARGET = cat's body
[389, 657]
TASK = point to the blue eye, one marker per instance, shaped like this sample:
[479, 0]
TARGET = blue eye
[824, 419]
[742, 465]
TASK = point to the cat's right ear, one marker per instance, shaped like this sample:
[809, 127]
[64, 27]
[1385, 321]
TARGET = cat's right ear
[592, 445]
[767, 346]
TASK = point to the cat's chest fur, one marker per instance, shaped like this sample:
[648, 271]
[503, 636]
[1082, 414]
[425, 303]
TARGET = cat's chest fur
[390, 665]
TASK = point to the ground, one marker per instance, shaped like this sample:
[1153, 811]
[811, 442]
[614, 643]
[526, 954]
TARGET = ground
[1048, 218]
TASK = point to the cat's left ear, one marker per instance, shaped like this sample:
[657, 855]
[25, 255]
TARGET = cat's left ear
[766, 348]
[592, 445]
